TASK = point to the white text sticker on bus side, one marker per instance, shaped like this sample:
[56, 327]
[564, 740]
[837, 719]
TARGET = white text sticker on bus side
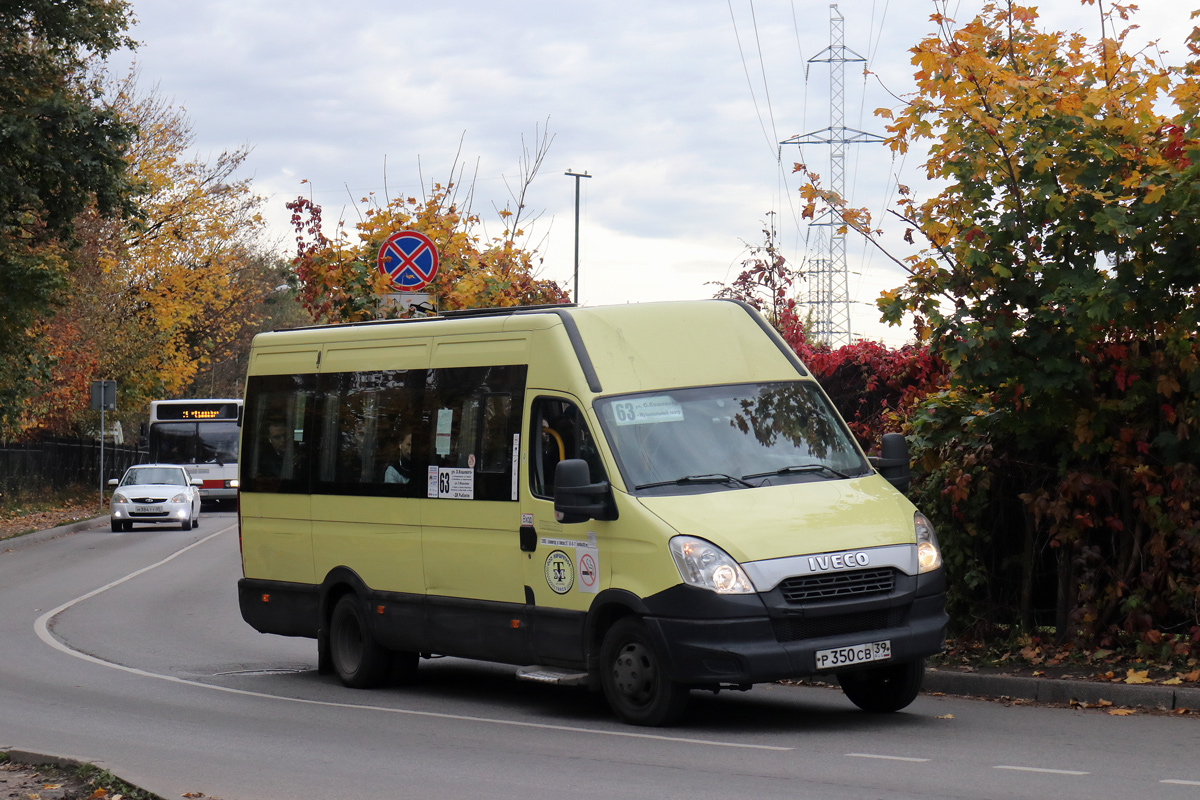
[456, 483]
[643, 410]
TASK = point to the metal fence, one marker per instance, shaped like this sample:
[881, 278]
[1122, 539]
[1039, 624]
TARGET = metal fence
[58, 462]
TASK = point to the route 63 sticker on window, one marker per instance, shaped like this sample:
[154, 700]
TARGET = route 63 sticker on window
[560, 572]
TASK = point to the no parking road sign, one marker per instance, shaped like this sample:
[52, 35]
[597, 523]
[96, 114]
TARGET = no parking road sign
[408, 260]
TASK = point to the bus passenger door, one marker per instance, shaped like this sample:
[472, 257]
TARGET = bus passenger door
[564, 565]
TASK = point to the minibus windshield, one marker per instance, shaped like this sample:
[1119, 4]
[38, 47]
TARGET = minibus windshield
[728, 437]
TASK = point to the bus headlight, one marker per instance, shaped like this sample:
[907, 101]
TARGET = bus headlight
[707, 566]
[929, 557]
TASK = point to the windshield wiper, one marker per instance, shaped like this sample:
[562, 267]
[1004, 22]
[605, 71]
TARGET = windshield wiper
[797, 470]
[714, 477]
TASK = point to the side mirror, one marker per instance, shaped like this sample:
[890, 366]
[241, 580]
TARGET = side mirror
[576, 498]
[892, 463]
[113, 482]
[196, 482]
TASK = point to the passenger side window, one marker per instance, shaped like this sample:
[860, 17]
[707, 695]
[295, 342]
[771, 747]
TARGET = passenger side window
[278, 433]
[368, 420]
[559, 432]
[473, 432]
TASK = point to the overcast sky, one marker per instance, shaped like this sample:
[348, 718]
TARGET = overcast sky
[676, 107]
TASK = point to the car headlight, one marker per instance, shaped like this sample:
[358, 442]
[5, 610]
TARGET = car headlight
[703, 564]
[180, 498]
[119, 498]
[929, 557]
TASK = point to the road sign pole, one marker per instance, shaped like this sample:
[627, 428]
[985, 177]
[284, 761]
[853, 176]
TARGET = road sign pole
[104, 398]
[101, 458]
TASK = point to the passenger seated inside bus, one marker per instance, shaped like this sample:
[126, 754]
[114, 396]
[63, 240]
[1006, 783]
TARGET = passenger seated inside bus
[399, 468]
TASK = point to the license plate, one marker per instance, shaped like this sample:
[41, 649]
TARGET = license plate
[147, 509]
[858, 654]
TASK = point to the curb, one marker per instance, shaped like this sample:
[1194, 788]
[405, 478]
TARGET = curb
[37, 537]
[1056, 690]
[33, 759]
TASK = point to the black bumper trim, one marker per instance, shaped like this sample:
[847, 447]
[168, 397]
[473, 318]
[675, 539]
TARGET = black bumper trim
[746, 650]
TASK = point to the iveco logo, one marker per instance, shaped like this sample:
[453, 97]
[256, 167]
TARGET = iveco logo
[847, 560]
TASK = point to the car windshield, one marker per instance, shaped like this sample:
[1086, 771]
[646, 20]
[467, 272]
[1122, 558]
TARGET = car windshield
[728, 437]
[142, 476]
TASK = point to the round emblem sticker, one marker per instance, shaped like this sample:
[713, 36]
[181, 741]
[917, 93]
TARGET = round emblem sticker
[560, 572]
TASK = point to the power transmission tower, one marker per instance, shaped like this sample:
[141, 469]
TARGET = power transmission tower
[827, 274]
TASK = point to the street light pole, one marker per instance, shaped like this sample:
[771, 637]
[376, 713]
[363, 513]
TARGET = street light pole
[577, 176]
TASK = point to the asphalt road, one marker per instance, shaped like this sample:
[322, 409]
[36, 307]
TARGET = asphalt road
[129, 648]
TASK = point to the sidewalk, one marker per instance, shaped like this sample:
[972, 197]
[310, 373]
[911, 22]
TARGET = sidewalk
[25, 540]
[997, 685]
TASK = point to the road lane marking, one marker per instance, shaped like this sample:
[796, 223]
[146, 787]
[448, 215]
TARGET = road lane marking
[42, 628]
[885, 758]
[1181, 782]
[1042, 769]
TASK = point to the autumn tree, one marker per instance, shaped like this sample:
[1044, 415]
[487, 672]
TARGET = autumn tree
[159, 304]
[339, 281]
[1059, 280]
[61, 151]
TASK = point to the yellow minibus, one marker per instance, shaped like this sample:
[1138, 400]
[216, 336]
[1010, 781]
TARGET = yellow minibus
[647, 499]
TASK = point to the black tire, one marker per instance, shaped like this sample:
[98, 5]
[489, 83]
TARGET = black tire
[882, 690]
[358, 660]
[117, 526]
[186, 525]
[635, 679]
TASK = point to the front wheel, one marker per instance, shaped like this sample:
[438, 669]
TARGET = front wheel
[883, 690]
[357, 658]
[634, 677]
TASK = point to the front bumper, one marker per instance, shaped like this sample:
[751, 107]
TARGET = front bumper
[782, 640]
[168, 513]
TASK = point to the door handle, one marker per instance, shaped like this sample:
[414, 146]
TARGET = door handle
[528, 539]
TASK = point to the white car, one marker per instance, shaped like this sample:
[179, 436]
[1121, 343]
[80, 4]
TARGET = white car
[162, 493]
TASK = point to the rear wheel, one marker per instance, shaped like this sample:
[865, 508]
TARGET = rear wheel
[883, 689]
[634, 678]
[357, 658]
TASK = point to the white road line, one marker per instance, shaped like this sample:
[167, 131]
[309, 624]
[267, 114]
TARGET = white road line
[42, 628]
[1180, 782]
[1040, 769]
[885, 758]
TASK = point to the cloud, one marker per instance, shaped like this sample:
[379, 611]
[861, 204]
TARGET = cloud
[675, 112]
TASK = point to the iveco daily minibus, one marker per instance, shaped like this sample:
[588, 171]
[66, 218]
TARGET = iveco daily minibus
[648, 499]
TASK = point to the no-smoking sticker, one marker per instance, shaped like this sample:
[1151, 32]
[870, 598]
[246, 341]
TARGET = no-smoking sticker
[587, 573]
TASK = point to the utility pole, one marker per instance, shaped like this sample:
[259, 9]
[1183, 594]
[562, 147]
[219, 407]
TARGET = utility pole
[577, 176]
[828, 282]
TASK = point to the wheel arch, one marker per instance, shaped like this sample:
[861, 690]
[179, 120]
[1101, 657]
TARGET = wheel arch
[338, 582]
[609, 606]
